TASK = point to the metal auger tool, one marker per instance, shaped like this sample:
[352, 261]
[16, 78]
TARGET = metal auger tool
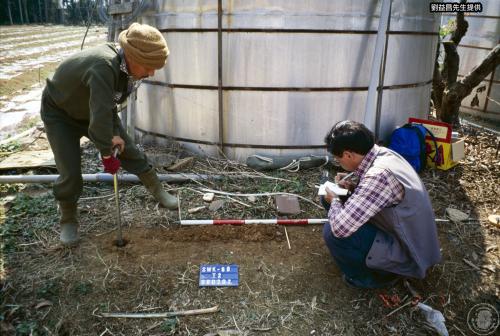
[120, 242]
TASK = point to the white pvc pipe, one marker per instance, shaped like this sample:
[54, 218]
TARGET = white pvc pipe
[104, 177]
[371, 100]
[253, 221]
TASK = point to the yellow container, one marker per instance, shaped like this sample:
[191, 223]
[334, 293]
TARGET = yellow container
[449, 150]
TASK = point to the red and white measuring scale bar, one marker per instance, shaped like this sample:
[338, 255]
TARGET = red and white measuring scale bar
[253, 221]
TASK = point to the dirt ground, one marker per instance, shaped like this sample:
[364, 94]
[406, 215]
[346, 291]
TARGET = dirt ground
[50, 290]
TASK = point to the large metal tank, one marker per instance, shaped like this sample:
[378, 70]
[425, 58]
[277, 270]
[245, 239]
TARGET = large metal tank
[481, 37]
[290, 70]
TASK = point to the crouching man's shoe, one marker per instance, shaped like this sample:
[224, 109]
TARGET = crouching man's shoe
[371, 283]
[68, 223]
[153, 185]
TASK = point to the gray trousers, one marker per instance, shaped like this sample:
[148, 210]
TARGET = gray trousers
[64, 134]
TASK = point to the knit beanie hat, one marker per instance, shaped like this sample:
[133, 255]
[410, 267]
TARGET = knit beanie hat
[145, 45]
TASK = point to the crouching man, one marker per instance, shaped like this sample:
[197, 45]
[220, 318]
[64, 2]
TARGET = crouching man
[80, 100]
[386, 228]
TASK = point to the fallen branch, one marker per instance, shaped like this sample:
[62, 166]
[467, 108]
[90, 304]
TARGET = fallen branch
[163, 315]
[399, 308]
[471, 264]
[262, 329]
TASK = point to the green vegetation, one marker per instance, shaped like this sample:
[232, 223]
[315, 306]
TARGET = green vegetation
[29, 123]
[169, 325]
[10, 147]
[7, 188]
[448, 28]
[49, 290]
[26, 216]
[297, 186]
[83, 288]
[28, 328]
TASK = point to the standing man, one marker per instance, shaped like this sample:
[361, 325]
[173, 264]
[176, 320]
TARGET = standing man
[80, 100]
[386, 228]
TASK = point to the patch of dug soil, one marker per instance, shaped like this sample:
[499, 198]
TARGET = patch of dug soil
[249, 233]
[156, 269]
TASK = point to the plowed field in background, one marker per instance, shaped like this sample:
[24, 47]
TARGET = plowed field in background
[28, 55]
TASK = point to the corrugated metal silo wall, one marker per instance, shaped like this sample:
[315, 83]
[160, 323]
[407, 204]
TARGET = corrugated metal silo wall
[481, 37]
[291, 69]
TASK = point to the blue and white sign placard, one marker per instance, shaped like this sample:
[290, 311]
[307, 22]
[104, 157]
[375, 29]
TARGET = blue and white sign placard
[216, 275]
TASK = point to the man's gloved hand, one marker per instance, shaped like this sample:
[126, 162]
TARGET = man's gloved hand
[111, 164]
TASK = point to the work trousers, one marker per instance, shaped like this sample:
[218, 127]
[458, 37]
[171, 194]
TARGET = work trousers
[349, 253]
[64, 134]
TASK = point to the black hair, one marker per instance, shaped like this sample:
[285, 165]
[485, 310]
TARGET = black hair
[351, 136]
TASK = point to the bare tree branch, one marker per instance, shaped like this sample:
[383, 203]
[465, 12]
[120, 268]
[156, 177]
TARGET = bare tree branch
[452, 61]
[482, 70]
[462, 27]
[457, 91]
[437, 84]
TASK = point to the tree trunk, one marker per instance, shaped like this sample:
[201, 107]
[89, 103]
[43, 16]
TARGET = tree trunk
[76, 16]
[39, 11]
[452, 61]
[457, 91]
[438, 85]
[46, 8]
[443, 83]
[26, 11]
[462, 27]
[60, 11]
[10, 14]
[20, 11]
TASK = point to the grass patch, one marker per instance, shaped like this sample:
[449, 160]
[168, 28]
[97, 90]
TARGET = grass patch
[26, 216]
[10, 147]
[28, 328]
[83, 288]
[29, 123]
[169, 326]
[49, 290]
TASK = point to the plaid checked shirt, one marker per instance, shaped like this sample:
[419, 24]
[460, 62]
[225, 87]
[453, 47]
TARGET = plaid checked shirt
[377, 189]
